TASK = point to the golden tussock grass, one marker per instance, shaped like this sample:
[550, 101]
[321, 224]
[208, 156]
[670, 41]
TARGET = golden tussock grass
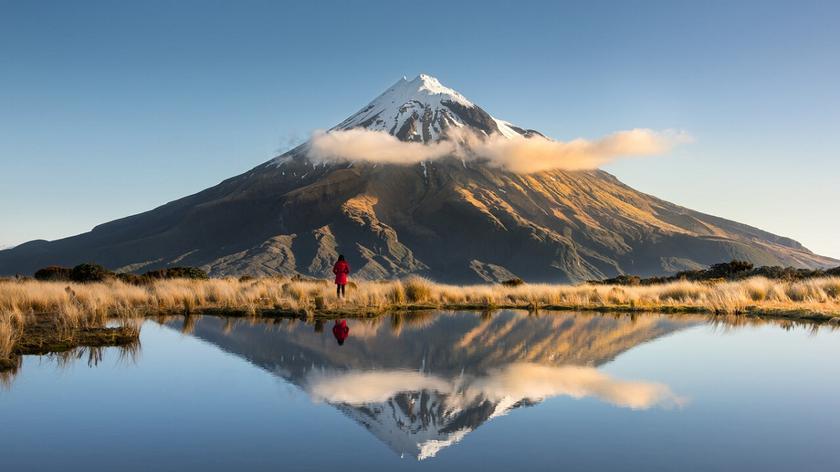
[7, 339]
[80, 305]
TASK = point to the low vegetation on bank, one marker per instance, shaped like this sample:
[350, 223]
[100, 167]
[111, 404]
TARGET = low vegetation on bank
[87, 304]
[732, 270]
[58, 311]
[96, 273]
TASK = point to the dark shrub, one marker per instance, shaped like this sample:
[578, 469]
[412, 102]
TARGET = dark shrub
[729, 269]
[732, 270]
[246, 278]
[155, 274]
[53, 273]
[689, 275]
[133, 279]
[786, 273]
[629, 280]
[177, 273]
[513, 282]
[89, 273]
[186, 273]
[773, 272]
[654, 280]
[620, 280]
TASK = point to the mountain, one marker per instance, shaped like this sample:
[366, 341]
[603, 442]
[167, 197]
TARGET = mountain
[422, 110]
[452, 219]
[422, 383]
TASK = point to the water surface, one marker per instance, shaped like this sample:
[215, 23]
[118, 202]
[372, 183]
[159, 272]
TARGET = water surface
[435, 391]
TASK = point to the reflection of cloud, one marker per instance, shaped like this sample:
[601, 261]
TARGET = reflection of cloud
[506, 385]
[357, 388]
[536, 382]
[516, 154]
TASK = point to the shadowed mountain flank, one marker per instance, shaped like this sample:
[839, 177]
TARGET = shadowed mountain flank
[449, 218]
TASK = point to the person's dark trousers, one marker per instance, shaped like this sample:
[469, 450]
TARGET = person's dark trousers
[339, 290]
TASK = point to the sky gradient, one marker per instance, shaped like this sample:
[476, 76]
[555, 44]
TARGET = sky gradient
[112, 108]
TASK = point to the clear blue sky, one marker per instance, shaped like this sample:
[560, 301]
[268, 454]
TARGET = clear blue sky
[112, 108]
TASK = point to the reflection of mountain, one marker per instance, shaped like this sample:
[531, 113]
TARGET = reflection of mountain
[422, 382]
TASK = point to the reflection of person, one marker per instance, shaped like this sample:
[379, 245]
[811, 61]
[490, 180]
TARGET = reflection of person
[340, 269]
[341, 331]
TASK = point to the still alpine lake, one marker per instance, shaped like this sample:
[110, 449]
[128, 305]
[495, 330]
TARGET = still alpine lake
[435, 391]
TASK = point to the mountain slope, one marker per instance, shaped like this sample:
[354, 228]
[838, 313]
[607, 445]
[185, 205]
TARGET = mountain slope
[451, 219]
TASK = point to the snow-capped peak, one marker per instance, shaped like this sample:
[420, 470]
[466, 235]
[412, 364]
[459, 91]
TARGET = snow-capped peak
[422, 109]
[428, 85]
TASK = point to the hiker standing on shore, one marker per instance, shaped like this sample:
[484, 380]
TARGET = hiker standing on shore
[340, 269]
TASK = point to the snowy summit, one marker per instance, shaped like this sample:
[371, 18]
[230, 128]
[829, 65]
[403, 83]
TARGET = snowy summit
[422, 109]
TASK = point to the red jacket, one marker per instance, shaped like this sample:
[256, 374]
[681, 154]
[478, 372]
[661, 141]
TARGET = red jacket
[341, 269]
[341, 331]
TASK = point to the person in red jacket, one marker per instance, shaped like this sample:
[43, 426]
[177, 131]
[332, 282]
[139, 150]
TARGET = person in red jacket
[341, 331]
[340, 269]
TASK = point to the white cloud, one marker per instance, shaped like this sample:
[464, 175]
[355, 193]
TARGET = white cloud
[536, 154]
[373, 146]
[518, 154]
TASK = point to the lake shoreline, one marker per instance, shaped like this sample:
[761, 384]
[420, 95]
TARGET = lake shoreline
[368, 312]
[361, 312]
[39, 317]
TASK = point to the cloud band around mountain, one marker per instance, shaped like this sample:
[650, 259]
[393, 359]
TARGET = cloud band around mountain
[517, 154]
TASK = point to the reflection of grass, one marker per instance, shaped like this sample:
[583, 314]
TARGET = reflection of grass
[127, 354]
[8, 370]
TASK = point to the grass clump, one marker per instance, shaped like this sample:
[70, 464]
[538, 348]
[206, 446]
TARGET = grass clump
[7, 339]
[417, 290]
[396, 294]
